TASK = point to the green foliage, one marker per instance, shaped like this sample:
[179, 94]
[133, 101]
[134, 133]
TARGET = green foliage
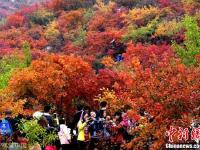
[141, 33]
[89, 13]
[191, 46]
[36, 133]
[7, 66]
[97, 65]
[41, 17]
[168, 28]
[79, 38]
[10, 63]
[2, 21]
[27, 53]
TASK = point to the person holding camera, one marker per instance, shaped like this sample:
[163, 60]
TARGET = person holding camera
[94, 130]
[82, 134]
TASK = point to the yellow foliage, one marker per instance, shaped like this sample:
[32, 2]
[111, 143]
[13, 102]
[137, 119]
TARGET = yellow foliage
[107, 95]
[8, 103]
[52, 31]
[111, 98]
[135, 62]
[197, 15]
[168, 28]
[189, 2]
[108, 62]
[104, 8]
[142, 13]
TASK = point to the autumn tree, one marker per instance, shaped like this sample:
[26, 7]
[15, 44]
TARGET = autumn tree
[15, 20]
[7, 102]
[149, 56]
[55, 79]
[169, 93]
[53, 35]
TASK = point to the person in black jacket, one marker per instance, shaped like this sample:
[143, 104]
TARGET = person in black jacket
[73, 125]
[102, 110]
[47, 115]
[76, 117]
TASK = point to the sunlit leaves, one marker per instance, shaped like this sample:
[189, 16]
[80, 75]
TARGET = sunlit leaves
[168, 28]
[108, 61]
[7, 102]
[111, 98]
[143, 14]
[54, 78]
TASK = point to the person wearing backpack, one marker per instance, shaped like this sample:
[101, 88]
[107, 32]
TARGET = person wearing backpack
[8, 125]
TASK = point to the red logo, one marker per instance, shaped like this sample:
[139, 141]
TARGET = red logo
[183, 133]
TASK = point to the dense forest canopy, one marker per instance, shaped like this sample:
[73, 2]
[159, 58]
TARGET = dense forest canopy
[141, 53]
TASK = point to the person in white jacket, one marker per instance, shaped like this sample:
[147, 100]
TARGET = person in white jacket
[64, 135]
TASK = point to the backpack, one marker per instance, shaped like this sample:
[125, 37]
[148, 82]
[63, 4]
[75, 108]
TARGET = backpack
[5, 128]
[49, 119]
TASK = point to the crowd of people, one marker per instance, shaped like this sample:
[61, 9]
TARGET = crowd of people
[99, 130]
[89, 129]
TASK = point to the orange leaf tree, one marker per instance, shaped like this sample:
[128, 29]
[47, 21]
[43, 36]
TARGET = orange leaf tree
[170, 93]
[55, 79]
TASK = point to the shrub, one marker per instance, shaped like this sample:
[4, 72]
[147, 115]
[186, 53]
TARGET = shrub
[168, 28]
[41, 17]
[141, 34]
[144, 14]
[15, 20]
[27, 53]
[36, 133]
[136, 3]
[191, 46]
[7, 66]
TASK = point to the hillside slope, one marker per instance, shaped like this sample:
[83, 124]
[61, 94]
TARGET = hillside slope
[144, 54]
[10, 6]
